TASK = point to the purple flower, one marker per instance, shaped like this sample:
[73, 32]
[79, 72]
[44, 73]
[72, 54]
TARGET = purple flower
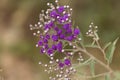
[46, 46]
[62, 36]
[41, 36]
[56, 29]
[68, 31]
[59, 32]
[51, 24]
[54, 47]
[47, 36]
[53, 13]
[66, 26]
[61, 9]
[42, 50]
[76, 31]
[61, 65]
[45, 41]
[49, 51]
[65, 17]
[40, 43]
[70, 38]
[60, 20]
[67, 62]
[46, 26]
[54, 37]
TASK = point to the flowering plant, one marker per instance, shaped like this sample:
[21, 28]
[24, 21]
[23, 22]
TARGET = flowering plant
[57, 36]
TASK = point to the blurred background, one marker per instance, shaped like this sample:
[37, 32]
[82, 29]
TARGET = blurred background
[19, 57]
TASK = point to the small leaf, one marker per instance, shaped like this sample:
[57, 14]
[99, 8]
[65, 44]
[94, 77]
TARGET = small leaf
[87, 61]
[110, 51]
[92, 67]
[107, 45]
[107, 77]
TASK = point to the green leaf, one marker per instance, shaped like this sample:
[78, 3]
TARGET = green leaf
[107, 77]
[107, 45]
[92, 67]
[110, 51]
[87, 61]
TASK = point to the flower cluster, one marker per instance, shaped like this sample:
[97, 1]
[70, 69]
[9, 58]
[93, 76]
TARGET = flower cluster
[55, 29]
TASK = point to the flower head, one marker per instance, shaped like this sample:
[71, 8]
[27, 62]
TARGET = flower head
[55, 31]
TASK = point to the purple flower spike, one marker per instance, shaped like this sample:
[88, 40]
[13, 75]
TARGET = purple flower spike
[61, 9]
[61, 65]
[55, 30]
[76, 31]
[67, 62]
[49, 51]
[54, 37]
[54, 47]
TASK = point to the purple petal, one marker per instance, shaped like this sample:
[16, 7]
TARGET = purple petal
[66, 26]
[42, 50]
[56, 29]
[61, 65]
[61, 9]
[45, 41]
[46, 46]
[59, 32]
[47, 36]
[70, 38]
[40, 43]
[54, 37]
[49, 51]
[54, 47]
[68, 31]
[76, 31]
[67, 62]
[62, 36]
[53, 13]
[51, 24]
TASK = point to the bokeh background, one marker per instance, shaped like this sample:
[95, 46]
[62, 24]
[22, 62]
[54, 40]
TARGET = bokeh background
[19, 57]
